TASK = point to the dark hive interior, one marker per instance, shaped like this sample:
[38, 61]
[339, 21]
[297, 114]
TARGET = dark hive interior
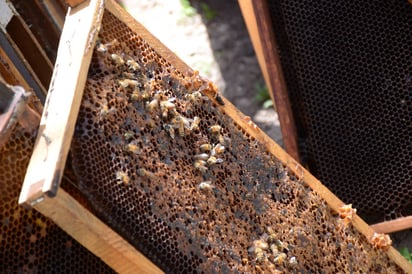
[167, 169]
[30, 242]
[348, 69]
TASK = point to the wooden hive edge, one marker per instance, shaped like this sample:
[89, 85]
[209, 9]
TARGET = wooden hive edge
[41, 185]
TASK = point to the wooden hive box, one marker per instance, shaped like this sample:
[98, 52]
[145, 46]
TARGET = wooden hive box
[164, 167]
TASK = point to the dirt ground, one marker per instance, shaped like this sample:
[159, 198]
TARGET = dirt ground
[211, 37]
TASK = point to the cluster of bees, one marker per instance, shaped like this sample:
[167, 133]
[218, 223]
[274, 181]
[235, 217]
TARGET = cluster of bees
[209, 155]
[158, 102]
[270, 249]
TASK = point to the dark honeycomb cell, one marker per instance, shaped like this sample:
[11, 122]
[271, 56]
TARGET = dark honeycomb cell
[148, 156]
[348, 69]
[29, 242]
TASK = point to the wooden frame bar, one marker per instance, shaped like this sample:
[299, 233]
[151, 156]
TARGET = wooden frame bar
[22, 36]
[9, 48]
[10, 73]
[53, 141]
[393, 225]
[63, 100]
[18, 39]
[56, 129]
[96, 236]
[257, 19]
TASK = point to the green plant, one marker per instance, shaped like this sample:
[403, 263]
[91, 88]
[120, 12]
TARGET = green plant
[405, 253]
[207, 11]
[263, 96]
[188, 10]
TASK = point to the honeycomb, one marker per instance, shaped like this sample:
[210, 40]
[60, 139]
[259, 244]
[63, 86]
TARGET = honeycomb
[348, 69]
[29, 242]
[163, 166]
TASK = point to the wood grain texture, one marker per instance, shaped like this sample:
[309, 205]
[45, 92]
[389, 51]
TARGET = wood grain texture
[248, 14]
[96, 236]
[263, 39]
[393, 225]
[63, 101]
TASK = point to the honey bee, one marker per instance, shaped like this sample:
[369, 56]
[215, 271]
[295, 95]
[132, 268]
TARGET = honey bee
[280, 258]
[117, 59]
[212, 89]
[213, 160]
[145, 95]
[194, 97]
[219, 99]
[170, 130]
[281, 246]
[181, 129]
[122, 178]
[136, 96]
[217, 149]
[160, 94]
[221, 139]
[346, 213]
[142, 172]
[128, 75]
[200, 165]
[202, 156]
[128, 135]
[215, 129]
[293, 261]
[151, 124]
[128, 83]
[132, 148]
[195, 123]
[133, 65]
[274, 249]
[100, 47]
[180, 123]
[261, 244]
[104, 111]
[152, 105]
[167, 106]
[258, 253]
[41, 223]
[206, 147]
[206, 186]
[381, 241]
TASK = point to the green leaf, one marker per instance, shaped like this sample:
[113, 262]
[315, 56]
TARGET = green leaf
[405, 253]
[262, 93]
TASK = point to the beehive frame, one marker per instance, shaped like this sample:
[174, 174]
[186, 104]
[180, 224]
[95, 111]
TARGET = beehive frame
[41, 186]
[264, 21]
